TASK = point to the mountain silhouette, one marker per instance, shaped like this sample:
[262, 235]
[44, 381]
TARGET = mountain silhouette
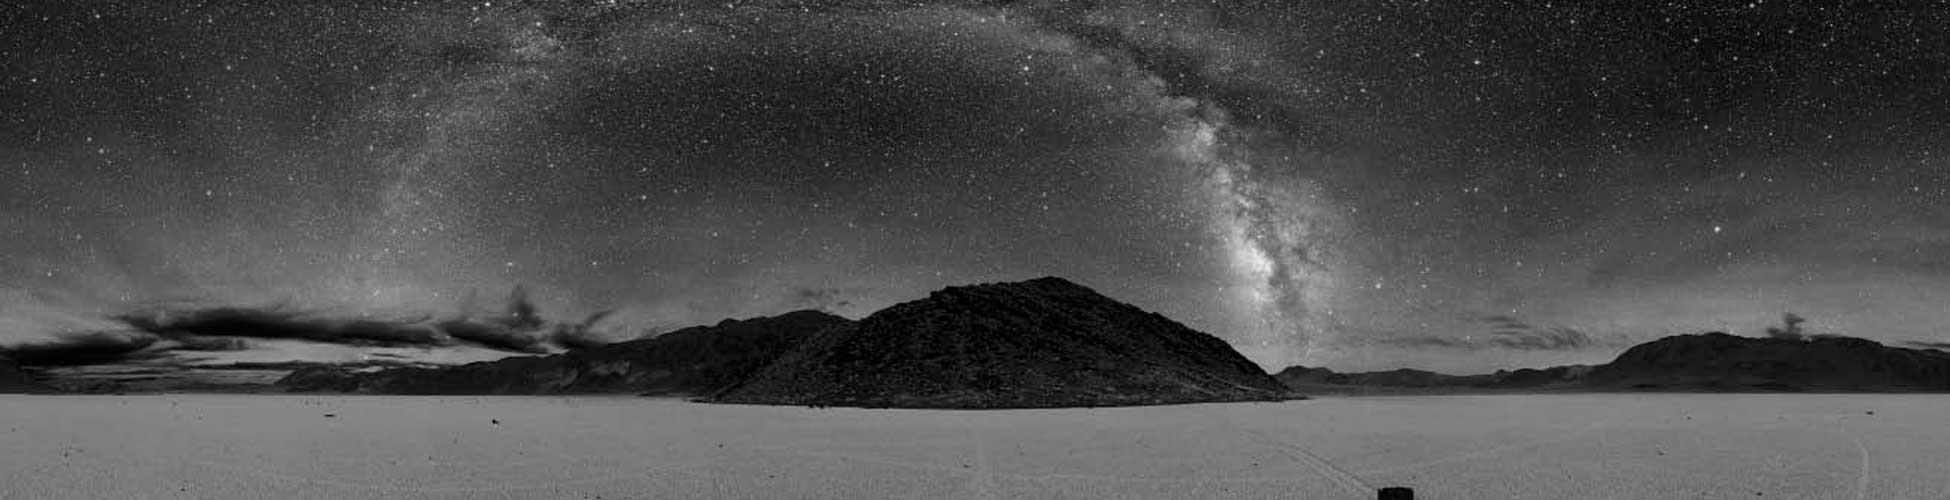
[1713, 361]
[1717, 360]
[1045, 342]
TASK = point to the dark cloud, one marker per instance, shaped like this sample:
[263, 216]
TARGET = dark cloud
[1925, 344]
[1791, 329]
[209, 344]
[1498, 322]
[1508, 332]
[577, 339]
[1552, 339]
[1425, 342]
[280, 323]
[390, 362]
[582, 335]
[492, 335]
[84, 349]
[383, 332]
[1503, 332]
[521, 312]
[519, 329]
[157, 334]
[824, 299]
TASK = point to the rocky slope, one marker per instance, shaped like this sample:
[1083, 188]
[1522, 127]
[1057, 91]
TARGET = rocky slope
[691, 361]
[1045, 342]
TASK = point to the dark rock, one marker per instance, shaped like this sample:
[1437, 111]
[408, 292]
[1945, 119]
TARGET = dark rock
[1045, 342]
[696, 360]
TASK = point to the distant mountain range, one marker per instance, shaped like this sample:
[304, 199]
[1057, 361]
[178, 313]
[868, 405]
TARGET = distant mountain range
[1715, 362]
[1718, 361]
[1048, 342]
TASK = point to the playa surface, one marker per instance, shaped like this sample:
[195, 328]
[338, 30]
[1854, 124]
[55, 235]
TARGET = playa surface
[1446, 447]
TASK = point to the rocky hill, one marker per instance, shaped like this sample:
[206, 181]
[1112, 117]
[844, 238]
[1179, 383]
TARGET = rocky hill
[1045, 342]
[692, 361]
[1718, 361]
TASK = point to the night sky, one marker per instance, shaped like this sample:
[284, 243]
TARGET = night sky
[1460, 186]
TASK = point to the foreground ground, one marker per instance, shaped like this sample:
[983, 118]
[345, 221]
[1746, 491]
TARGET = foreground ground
[1454, 447]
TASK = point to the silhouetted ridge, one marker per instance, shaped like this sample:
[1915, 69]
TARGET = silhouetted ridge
[1703, 362]
[1721, 361]
[696, 360]
[1045, 342]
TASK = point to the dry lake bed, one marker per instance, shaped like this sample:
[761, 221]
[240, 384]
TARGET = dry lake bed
[1446, 447]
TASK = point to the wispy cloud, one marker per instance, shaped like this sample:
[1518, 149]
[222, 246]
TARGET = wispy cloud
[1501, 332]
[84, 349]
[1925, 344]
[153, 334]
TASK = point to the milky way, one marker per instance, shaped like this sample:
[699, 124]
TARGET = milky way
[1271, 236]
[1358, 185]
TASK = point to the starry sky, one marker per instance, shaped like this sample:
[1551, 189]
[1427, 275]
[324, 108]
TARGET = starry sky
[1459, 186]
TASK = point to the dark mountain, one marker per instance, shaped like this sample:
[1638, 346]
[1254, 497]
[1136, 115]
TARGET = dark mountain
[1718, 361]
[15, 381]
[1704, 362]
[696, 360]
[1045, 342]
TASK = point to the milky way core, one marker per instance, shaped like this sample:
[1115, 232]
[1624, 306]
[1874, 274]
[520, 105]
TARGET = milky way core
[1272, 242]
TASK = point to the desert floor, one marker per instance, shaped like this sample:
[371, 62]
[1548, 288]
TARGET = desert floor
[1446, 447]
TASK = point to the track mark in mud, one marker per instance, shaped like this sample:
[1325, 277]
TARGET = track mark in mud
[1319, 466]
[1862, 474]
[984, 474]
